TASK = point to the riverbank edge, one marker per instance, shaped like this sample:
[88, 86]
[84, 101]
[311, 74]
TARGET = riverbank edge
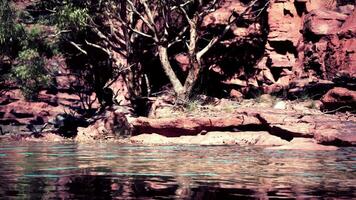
[278, 127]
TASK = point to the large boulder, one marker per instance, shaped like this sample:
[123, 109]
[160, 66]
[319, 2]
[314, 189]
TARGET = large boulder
[339, 99]
[109, 125]
[337, 134]
[323, 22]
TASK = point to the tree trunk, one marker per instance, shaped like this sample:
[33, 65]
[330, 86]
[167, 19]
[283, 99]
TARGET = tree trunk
[191, 80]
[195, 65]
[134, 74]
[163, 56]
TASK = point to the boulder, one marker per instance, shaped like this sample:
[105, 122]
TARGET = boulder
[109, 125]
[67, 124]
[323, 22]
[236, 95]
[339, 99]
[281, 105]
[346, 9]
[282, 60]
[342, 133]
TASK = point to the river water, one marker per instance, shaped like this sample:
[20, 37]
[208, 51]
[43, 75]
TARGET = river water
[115, 171]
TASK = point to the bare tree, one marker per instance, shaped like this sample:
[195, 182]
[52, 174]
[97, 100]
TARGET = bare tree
[117, 26]
[156, 18]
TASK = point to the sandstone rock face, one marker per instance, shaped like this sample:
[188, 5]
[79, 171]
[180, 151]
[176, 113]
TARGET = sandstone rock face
[284, 22]
[221, 16]
[312, 41]
[183, 61]
[328, 48]
[287, 124]
[14, 109]
[339, 98]
[341, 57]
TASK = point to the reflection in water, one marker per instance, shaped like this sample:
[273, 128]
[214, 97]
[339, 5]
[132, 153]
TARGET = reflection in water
[113, 171]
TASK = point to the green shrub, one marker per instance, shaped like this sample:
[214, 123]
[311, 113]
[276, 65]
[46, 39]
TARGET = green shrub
[10, 32]
[192, 106]
[72, 18]
[30, 73]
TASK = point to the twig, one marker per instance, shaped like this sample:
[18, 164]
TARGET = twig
[335, 110]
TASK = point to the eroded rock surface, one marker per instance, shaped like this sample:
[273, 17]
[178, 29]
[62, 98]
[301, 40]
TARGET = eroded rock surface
[189, 125]
[286, 124]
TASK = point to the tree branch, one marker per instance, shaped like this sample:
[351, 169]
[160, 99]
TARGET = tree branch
[137, 31]
[148, 24]
[98, 47]
[181, 5]
[78, 47]
[209, 9]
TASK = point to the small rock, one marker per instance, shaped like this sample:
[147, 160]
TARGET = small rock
[282, 105]
[236, 95]
[266, 98]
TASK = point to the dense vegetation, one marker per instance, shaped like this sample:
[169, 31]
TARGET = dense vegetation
[23, 54]
[102, 39]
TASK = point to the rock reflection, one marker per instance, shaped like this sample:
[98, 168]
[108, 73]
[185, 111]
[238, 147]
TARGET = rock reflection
[111, 171]
[107, 187]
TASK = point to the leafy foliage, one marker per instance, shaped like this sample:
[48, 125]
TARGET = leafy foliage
[72, 18]
[23, 50]
[10, 32]
[30, 73]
